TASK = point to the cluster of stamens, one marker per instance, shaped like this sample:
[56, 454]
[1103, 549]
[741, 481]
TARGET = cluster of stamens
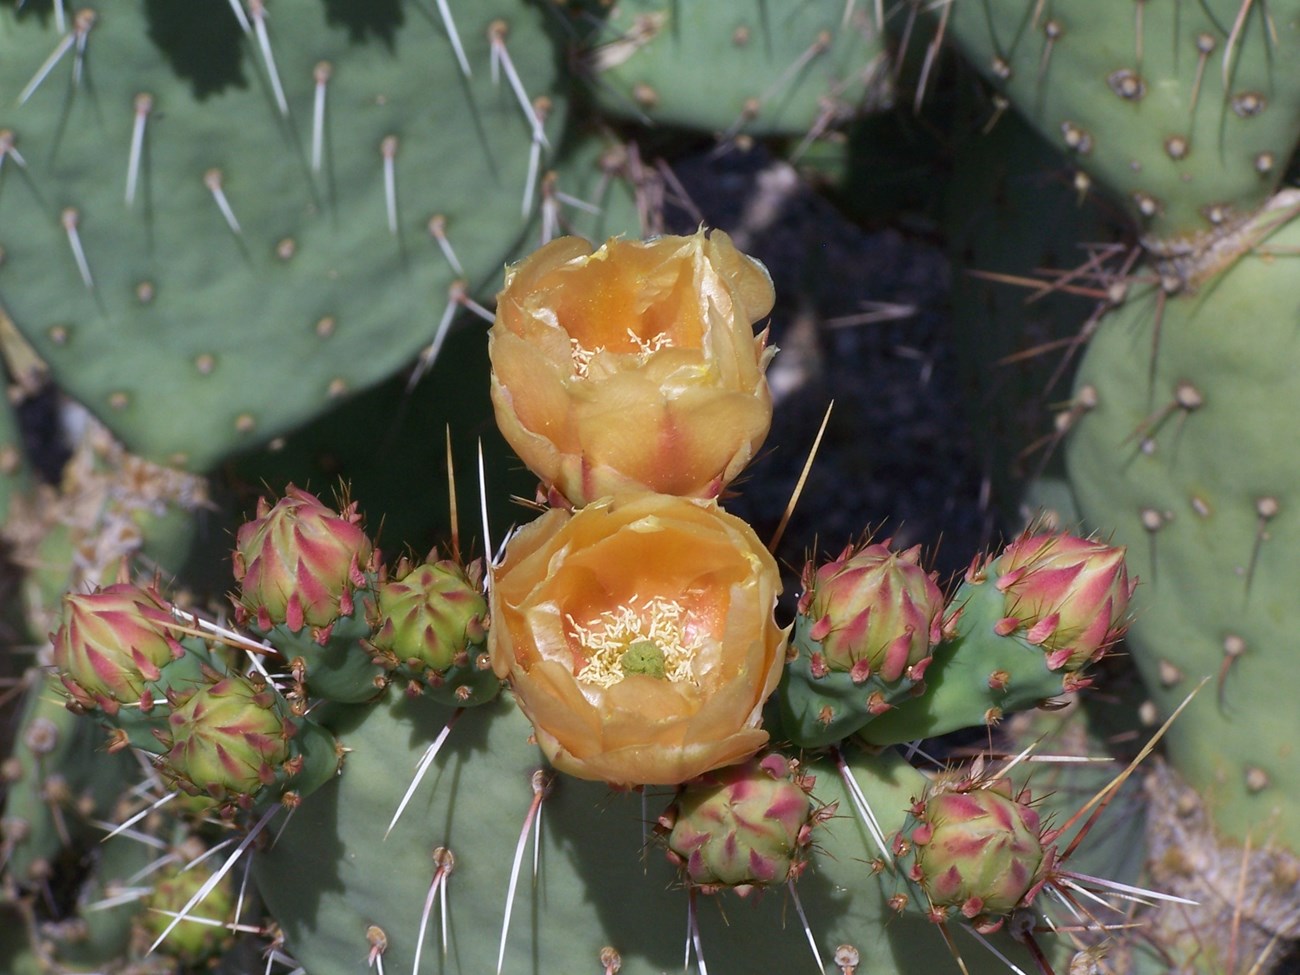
[657, 628]
[645, 348]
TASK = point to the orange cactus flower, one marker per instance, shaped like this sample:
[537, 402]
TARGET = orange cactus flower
[639, 638]
[635, 367]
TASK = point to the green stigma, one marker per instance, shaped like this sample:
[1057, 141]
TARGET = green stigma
[643, 657]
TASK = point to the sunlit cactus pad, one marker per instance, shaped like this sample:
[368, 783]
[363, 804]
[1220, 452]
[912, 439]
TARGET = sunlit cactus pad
[1180, 454]
[603, 879]
[211, 234]
[1186, 110]
[747, 67]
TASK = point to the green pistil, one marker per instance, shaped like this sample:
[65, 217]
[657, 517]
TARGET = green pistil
[643, 657]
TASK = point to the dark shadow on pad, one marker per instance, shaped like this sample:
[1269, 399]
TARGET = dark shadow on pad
[201, 40]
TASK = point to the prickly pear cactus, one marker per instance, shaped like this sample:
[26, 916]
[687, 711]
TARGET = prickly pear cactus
[792, 70]
[1180, 455]
[599, 879]
[215, 224]
[1185, 111]
[625, 678]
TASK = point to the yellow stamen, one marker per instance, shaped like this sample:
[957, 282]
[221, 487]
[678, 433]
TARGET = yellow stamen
[582, 357]
[645, 348]
[608, 638]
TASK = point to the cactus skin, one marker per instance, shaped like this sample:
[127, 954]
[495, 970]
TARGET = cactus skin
[196, 341]
[55, 772]
[783, 71]
[15, 476]
[332, 873]
[58, 782]
[1204, 496]
[1137, 105]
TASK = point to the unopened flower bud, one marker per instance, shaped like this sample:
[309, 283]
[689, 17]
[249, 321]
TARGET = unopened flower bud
[873, 611]
[741, 827]
[430, 617]
[227, 739]
[1066, 594]
[112, 643]
[299, 561]
[978, 850]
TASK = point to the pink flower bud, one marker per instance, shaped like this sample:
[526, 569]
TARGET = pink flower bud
[430, 617]
[977, 849]
[741, 827]
[227, 739]
[299, 562]
[874, 611]
[1066, 594]
[112, 643]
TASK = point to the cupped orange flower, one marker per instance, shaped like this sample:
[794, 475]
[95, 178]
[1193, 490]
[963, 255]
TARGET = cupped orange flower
[635, 367]
[639, 638]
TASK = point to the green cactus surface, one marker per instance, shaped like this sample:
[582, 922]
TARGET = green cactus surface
[15, 477]
[1187, 111]
[733, 68]
[602, 881]
[57, 780]
[1183, 455]
[210, 234]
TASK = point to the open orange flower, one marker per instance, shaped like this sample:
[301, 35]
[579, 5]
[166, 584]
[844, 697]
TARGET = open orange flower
[634, 368]
[638, 637]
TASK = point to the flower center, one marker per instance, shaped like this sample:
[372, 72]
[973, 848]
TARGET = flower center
[649, 639]
[643, 349]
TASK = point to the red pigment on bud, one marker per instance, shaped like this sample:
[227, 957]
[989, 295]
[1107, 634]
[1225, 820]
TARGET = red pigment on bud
[741, 827]
[978, 849]
[1070, 594]
[874, 612]
[299, 561]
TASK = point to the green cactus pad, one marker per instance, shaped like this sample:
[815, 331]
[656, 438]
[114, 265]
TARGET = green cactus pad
[735, 68]
[819, 707]
[1186, 458]
[977, 675]
[342, 669]
[60, 765]
[601, 882]
[1139, 99]
[15, 476]
[192, 338]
